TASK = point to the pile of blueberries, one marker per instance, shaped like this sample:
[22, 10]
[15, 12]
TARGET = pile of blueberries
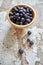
[21, 15]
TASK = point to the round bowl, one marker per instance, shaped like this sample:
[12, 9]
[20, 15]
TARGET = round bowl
[20, 26]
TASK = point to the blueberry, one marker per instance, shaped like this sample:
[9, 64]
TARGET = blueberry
[16, 9]
[19, 18]
[14, 16]
[22, 19]
[20, 23]
[21, 15]
[27, 10]
[29, 32]
[28, 20]
[21, 51]
[10, 13]
[11, 17]
[14, 12]
[30, 41]
[29, 17]
[17, 14]
[24, 10]
[24, 23]
[30, 11]
[17, 23]
[20, 11]
[25, 15]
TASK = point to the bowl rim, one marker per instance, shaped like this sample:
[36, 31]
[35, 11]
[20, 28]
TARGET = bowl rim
[20, 26]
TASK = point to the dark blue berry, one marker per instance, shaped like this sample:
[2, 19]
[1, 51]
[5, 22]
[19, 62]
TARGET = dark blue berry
[25, 15]
[16, 9]
[10, 14]
[21, 15]
[27, 10]
[22, 19]
[24, 10]
[28, 20]
[17, 22]
[21, 51]
[30, 15]
[29, 32]
[19, 18]
[20, 23]
[20, 11]
[30, 41]
[11, 17]
[30, 11]
[17, 14]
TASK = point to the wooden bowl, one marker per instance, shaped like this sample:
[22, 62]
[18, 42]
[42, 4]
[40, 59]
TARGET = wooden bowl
[21, 26]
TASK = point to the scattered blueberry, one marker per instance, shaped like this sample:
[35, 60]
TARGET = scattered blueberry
[30, 41]
[29, 32]
[21, 51]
